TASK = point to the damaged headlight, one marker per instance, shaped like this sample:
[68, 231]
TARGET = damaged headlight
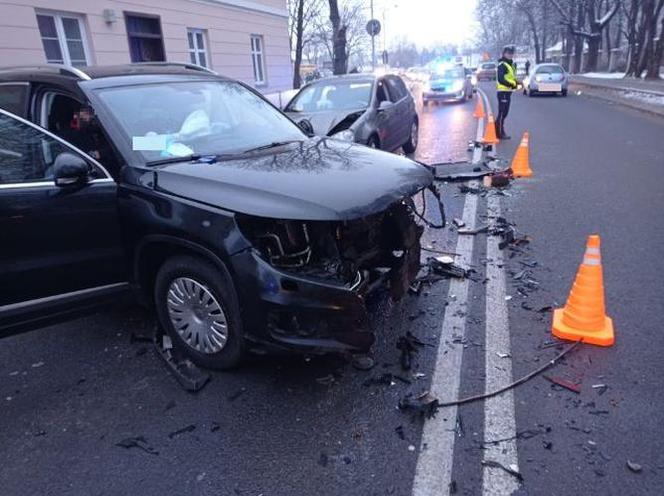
[345, 135]
[282, 243]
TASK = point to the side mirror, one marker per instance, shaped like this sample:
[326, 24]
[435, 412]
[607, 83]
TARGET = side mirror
[307, 127]
[384, 105]
[70, 170]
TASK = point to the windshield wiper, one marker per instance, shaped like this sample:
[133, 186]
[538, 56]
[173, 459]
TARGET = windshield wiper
[274, 144]
[196, 157]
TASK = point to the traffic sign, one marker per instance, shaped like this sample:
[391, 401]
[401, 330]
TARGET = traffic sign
[373, 27]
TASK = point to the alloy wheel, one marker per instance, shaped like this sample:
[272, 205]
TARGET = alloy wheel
[197, 316]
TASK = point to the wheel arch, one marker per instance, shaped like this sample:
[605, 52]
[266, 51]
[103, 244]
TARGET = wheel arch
[154, 250]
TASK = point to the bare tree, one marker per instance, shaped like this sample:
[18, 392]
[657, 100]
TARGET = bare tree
[588, 26]
[645, 24]
[302, 15]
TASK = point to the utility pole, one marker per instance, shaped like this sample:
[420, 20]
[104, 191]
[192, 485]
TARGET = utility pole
[373, 42]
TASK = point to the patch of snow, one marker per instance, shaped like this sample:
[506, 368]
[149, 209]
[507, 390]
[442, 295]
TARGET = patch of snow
[645, 98]
[604, 75]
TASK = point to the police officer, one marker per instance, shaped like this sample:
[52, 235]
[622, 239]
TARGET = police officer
[505, 84]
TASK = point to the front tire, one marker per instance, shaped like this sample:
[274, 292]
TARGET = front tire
[198, 307]
[411, 145]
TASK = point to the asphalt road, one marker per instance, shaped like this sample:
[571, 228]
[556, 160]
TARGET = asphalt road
[302, 426]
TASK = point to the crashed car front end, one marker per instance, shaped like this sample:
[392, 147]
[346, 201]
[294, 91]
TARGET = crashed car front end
[304, 284]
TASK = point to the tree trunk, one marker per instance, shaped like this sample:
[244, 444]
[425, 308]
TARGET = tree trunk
[545, 30]
[299, 34]
[593, 53]
[533, 29]
[657, 55]
[339, 61]
[632, 40]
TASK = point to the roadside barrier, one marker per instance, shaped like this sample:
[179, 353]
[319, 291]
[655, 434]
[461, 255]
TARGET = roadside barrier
[583, 317]
[521, 160]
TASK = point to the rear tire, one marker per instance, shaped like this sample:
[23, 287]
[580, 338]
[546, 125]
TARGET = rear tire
[411, 145]
[200, 285]
[531, 93]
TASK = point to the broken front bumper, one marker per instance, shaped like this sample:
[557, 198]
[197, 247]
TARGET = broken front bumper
[284, 311]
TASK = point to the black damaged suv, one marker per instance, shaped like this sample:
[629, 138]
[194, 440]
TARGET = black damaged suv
[190, 188]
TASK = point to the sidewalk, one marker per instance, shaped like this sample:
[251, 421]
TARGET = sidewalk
[640, 94]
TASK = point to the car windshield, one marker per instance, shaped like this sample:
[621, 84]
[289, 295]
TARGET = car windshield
[455, 73]
[336, 95]
[550, 69]
[179, 119]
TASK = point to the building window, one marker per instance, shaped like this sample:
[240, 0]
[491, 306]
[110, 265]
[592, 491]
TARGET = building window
[63, 37]
[258, 59]
[146, 43]
[197, 48]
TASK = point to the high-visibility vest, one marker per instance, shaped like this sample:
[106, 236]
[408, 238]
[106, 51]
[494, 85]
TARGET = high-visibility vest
[510, 76]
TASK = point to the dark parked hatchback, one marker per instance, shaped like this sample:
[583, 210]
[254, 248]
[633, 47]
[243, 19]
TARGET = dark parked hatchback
[194, 191]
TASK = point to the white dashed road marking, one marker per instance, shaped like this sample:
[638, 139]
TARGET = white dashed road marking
[433, 473]
[499, 418]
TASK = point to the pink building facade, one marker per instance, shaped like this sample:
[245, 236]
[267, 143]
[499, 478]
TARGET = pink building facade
[242, 39]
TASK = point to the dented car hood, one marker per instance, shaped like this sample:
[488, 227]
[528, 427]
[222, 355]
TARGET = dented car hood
[317, 179]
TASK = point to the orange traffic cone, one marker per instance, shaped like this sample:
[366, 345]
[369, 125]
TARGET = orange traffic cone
[583, 317]
[520, 163]
[490, 137]
[479, 109]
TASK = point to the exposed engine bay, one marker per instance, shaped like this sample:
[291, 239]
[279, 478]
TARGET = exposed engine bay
[344, 252]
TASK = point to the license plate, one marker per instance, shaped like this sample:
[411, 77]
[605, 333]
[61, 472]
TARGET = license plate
[549, 87]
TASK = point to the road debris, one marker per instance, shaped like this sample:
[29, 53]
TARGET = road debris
[233, 396]
[600, 388]
[327, 380]
[443, 267]
[458, 223]
[138, 442]
[634, 467]
[188, 375]
[472, 232]
[512, 470]
[408, 403]
[363, 362]
[408, 344]
[423, 406]
[184, 430]
[525, 434]
[564, 383]
[386, 379]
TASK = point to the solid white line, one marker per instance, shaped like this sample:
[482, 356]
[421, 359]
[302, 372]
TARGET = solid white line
[433, 473]
[499, 416]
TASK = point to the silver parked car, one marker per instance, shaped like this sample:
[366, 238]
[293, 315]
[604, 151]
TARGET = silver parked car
[546, 78]
[377, 111]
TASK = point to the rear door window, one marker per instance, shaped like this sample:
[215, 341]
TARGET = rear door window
[14, 98]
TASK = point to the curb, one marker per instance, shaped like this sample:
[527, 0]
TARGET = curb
[613, 94]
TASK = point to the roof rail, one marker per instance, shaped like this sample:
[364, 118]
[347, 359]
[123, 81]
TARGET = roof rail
[75, 71]
[193, 67]
[63, 68]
